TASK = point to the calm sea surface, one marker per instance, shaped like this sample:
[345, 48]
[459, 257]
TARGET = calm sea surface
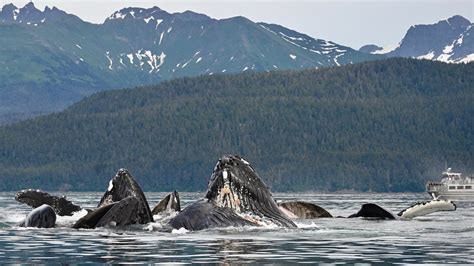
[446, 237]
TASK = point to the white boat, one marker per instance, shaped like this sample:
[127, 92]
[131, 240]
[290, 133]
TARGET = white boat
[453, 186]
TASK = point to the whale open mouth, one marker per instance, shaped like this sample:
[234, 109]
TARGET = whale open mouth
[235, 184]
[122, 186]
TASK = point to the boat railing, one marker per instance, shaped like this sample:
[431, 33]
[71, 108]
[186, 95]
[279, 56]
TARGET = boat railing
[460, 181]
[434, 186]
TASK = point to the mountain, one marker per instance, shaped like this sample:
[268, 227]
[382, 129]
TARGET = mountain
[50, 59]
[386, 125]
[450, 41]
[370, 48]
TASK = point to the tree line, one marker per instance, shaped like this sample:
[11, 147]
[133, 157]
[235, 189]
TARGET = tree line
[376, 126]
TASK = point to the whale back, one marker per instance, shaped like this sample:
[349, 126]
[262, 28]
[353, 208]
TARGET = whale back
[304, 210]
[41, 217]
[204, 215]
[374, 211]
[234, 184]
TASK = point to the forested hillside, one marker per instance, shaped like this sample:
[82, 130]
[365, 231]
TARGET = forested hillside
[376, 126]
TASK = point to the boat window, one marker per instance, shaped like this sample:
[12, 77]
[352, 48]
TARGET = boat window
[468, 187]
[460, 187]
[452, 187]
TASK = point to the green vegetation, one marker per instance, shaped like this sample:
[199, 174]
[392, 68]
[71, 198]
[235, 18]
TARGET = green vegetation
[376, 126]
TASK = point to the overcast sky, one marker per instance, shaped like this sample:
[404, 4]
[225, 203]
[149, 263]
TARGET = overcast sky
[348, 22]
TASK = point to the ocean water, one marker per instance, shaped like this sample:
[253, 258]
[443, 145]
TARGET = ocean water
[445, 237]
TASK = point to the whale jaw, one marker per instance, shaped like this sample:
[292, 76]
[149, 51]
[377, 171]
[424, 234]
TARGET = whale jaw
[122, 185]
[170, 203]
[122, 204]
[234, 184]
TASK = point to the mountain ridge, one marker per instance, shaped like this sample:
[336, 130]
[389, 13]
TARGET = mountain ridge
[45, 66]
[450, 40]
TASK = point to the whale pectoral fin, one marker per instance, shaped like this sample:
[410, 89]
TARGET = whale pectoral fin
[93, 217]
[36, 198]
[424, 208]
[372, 210]
[41, 217]
[303, 210]
[124, 212]
[33, 198]
[203, 215]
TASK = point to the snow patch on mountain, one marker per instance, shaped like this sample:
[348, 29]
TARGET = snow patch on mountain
[117, 15]
[153, 60]
[15, 13]
[336, 57]
[448, 48]
[467, 59]
[161, 38]
[329, 52]
[148, 19]
[158, 22]
[430, 55]
[110, 60]
[130, 58]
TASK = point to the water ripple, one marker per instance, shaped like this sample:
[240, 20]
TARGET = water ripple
[435, 239]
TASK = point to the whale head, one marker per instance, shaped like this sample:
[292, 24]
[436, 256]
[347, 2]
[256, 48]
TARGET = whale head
[170, 203]
[41, 217]
[235, 184]
[122, 186]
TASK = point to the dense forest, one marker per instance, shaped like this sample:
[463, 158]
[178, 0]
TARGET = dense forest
[377, 126]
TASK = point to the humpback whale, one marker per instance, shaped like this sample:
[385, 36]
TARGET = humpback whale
[169, 203]
[122, 204]
[36, 198]
[41, 217]
[303, 210]
[236, 196]
[204, 215]
[427, 207]
[372, 210]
